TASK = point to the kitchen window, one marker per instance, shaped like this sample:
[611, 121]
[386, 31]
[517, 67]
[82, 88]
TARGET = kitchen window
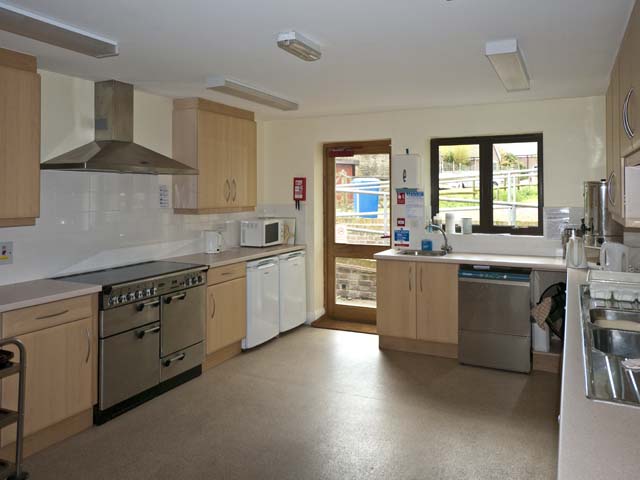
[496, 180]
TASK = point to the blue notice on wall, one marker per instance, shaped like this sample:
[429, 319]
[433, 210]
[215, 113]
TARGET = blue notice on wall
[401, 238]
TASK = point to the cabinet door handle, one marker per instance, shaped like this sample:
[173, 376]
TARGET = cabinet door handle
[88, 345]
[227, 190]
[410, 270]
[625, 115]
[610, 187]
[235, 188]
[420, 278]
[213, 305]
[51, 315]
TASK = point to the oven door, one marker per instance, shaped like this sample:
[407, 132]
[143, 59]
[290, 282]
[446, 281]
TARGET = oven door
[128, 364]
[182, 319]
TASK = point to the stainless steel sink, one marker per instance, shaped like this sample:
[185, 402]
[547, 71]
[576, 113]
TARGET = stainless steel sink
[611, 335]
[423, 253]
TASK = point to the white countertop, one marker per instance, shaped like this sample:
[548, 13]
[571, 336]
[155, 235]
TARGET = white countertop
[597, 440]
[539, 263]
[235, 255]
[37, 292]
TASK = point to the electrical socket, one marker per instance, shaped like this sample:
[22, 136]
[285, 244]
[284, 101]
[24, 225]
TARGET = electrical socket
[6, 253]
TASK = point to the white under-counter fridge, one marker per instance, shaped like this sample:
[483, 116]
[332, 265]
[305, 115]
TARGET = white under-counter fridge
[293, 288]
[263, 301]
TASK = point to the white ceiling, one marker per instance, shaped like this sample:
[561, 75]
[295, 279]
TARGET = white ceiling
[377, 54]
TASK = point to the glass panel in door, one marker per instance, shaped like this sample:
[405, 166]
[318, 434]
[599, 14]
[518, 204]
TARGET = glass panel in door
[358, 221]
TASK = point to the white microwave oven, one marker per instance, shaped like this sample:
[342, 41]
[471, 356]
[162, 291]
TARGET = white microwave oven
[261, 232]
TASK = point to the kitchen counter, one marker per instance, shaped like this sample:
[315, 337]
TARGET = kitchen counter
[235, 255]
[37, 292]
[538, 263]
[597, 440]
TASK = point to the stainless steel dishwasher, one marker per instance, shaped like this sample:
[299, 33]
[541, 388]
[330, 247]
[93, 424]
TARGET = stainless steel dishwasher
[494, 326]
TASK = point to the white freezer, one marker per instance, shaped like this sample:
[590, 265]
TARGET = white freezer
[293, 296]
[263, 302]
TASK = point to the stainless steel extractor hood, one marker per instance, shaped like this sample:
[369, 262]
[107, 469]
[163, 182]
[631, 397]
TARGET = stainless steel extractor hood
[113, 149]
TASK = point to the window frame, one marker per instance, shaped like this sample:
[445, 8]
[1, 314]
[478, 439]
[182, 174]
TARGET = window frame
[485, 144]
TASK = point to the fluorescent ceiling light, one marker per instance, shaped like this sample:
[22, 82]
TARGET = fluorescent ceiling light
[237, 89]
[299, 46]
[507, 61]
[27, 24]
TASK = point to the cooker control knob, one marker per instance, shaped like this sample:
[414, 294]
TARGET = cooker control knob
[122, 298]
[199, 278]
[148, 292]
[139, 294]
[155, 290]
[131, 296]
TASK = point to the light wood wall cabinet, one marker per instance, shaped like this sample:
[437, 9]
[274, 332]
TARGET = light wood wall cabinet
[623, 117]
[221, 142]
[61, 344]
[226, 307]
[19, 139]
[417, 301]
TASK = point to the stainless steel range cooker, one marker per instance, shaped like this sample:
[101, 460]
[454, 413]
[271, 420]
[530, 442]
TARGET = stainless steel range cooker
[151, 331]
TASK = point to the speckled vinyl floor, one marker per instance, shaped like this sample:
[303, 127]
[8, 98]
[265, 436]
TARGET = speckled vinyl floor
[323, 404]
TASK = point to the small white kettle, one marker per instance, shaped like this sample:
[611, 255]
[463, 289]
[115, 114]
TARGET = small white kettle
[576, 254]
[614, 257]
[212, 241]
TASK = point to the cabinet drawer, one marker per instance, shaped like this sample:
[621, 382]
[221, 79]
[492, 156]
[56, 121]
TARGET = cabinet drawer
[31, 319]
[226, 273]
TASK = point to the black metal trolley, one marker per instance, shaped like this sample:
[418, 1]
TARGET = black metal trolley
[8, 470]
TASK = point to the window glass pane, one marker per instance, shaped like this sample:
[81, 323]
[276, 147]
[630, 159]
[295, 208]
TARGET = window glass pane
[515, 184]
[356, 282]
[362, 200]
[459, 179]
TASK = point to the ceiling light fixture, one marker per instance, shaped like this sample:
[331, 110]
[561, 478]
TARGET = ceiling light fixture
[37, 27]
[507, 61]
[237, 89]
[299, 46]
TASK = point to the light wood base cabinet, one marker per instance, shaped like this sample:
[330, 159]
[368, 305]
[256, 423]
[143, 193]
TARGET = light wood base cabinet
[417, 301]
[437, 302]
[396, 299]
[226, 309]
[61, 362]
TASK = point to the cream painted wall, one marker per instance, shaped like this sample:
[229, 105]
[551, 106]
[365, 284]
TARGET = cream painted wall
[574, 151]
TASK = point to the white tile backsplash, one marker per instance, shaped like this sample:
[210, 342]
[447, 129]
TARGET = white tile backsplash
[90, 221]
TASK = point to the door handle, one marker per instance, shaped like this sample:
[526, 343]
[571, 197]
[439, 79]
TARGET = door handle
[410, 270]
[213, 305]
[420, 278]
[235, 188]
[141, 333]
[179, 296]
[141, 306]
[177, 358]
[88, 345]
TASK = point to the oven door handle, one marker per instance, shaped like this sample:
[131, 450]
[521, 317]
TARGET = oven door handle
[179, 296]
[141, 306]
[177, 358]
[141, 333]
